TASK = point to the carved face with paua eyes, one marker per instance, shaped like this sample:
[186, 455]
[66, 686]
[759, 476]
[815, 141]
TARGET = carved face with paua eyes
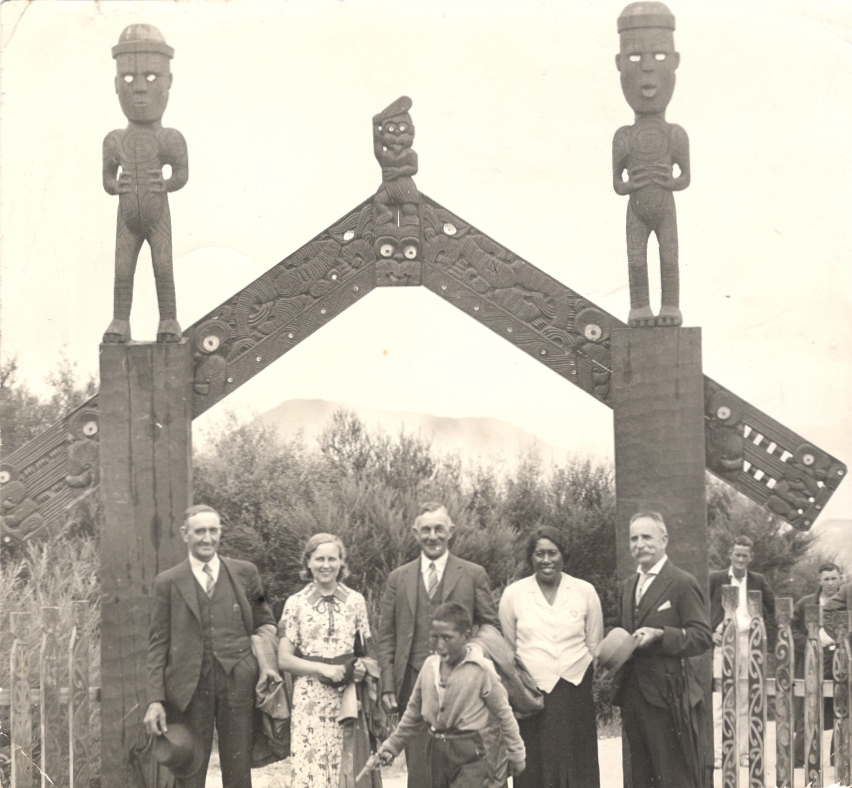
[397, 256]
[397, 132]
[647, 63]
[142, 83]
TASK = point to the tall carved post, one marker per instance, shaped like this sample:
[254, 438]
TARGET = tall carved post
[730, 686]
[756, 691]
[840, 624]
[146, 412]
[784, 657]
[813, 699]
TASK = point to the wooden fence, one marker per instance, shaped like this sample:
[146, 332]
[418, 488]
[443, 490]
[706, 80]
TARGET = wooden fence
[812, 688]
[39, 687]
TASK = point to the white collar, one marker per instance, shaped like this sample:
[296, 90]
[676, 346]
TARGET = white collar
[655, 569]
[198, 566]
[736, 579]
[440, 563]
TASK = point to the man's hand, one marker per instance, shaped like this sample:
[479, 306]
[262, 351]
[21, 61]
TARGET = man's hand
[825, 640]
[155, 719]
[648, 635]
[389, 702]
[516, 767]
[267, 676]
[385, 756]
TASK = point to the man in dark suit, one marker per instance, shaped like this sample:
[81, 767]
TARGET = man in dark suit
[737, 574]
[662, 702]
[413, 591]
[830, 578]
[200, 663]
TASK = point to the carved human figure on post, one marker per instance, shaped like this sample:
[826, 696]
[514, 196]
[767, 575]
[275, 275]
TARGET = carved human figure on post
[140, 152]
[648, 151]
[393, 135]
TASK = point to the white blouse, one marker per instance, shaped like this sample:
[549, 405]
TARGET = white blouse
[553, 641]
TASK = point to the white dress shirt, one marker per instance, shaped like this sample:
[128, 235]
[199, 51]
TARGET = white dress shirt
[198, 569]
[553, 641]
[743, 616]
[440, 566]
[651, 574]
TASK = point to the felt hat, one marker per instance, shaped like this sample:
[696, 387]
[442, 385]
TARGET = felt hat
[179, 750]
[614, 650]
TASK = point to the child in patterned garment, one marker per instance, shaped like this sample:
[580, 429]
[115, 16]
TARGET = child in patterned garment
[457, 693]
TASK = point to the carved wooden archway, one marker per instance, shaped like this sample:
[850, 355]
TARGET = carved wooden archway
[745, 447]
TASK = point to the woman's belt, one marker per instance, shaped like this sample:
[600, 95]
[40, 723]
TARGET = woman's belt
[450, 733]
[348, 660]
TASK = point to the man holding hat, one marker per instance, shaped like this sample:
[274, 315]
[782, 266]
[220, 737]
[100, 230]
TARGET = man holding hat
[201, 669]
[662, 702]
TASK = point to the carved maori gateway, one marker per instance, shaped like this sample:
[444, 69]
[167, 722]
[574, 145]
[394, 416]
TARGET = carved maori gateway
[400, 237]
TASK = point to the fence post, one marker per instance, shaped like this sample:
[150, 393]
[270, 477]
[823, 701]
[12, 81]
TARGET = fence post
[730, 679]
[813, 698]
[21, 722]
[841, 623]
[784, 672]
[78, 699]
[50, 722]
[756, 691]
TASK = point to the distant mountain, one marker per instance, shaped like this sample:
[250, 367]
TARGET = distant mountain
[474, 438]
[834, 538]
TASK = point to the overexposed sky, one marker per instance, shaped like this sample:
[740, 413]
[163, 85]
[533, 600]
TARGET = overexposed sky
[515, 105]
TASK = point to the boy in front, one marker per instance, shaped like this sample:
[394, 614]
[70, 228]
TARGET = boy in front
[456, 693]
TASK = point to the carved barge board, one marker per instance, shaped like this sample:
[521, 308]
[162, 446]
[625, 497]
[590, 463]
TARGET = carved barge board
[756, 455]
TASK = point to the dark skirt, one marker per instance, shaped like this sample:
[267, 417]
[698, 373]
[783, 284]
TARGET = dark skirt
[562, 741]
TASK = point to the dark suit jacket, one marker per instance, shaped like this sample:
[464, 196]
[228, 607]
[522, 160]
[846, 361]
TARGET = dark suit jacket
[175, 646]
[464, 582]
[754, 582]
[675, 604]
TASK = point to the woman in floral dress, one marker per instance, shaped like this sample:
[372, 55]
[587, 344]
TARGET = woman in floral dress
[317, 642]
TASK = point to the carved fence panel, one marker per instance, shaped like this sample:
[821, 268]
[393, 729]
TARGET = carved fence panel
[21, 720]
[730, 679]
[785, 656]
[840, 625]
[813, 698]
[756, 692]
[50, 714]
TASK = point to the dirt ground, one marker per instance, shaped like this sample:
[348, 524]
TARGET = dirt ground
[609, 754]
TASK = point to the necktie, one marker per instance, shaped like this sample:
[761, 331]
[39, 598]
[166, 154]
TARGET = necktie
[209, 572]
[432, 579]
[643, 584]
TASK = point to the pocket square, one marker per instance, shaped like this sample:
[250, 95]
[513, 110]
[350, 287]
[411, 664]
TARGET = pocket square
[665, 606]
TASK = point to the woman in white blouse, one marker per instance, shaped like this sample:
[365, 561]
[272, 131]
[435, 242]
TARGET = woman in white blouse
[554, 623]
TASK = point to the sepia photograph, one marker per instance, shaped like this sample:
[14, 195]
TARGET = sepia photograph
[428, 394]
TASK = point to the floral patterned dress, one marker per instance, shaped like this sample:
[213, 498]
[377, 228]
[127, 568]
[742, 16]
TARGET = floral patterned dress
[320, 627]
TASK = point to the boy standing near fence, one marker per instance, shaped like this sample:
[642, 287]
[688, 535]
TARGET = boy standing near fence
[458, 693]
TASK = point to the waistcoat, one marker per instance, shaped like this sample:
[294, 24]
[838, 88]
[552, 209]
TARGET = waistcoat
[422, 620]
[222, 628]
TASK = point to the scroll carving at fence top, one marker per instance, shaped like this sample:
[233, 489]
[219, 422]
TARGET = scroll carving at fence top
[402, 237]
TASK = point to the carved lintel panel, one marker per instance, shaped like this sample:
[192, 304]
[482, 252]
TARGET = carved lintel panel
[282, 307]
[769, 463]
[41, 480]
[516, 300]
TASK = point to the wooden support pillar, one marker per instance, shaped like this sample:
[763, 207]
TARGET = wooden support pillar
[658, 401]
[146, 484]
[658, 394]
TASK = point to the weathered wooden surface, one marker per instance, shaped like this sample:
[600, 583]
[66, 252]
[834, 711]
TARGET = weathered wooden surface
[784, 672]
[813, 703]
[50, 718]
[146, 487]
[79, 765]
[21, 719]
[730, 680]
[756, 692]
[840, 624]
[658, 397]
